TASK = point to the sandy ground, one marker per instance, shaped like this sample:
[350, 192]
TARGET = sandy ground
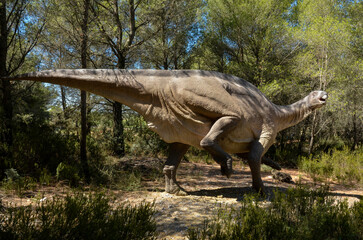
[207, 190]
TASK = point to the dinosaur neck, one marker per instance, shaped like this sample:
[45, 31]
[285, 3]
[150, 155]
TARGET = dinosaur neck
[291, 115]
[117, 85]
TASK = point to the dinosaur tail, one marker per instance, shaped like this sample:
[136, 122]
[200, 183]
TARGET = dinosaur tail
[84, 79]
[117, 85]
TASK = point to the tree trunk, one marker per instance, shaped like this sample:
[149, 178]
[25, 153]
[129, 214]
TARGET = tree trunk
[312, 134]
[64, 102]
[84, 38]
[118, 131]
[7, 135]
[84, 160]
[355, 136]
[302, 140]
[118, 128]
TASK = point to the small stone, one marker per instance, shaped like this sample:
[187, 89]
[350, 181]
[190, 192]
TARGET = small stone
[282, 177]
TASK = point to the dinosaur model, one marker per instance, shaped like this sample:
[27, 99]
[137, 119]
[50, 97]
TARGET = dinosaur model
[217, 112]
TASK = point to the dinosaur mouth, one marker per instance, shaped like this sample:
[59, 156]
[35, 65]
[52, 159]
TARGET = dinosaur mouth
[323, 98]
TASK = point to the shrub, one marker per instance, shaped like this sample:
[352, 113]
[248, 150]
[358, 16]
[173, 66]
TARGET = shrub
[45, 178]
[287, 157]
[342, 165]
[297, 214]
[129, 181]
[69, 173]
[78, 217]
[17, 183]
[329, 144]
[36, 147]
[139, 139]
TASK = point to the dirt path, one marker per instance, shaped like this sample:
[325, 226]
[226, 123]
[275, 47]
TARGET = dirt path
[208, 191]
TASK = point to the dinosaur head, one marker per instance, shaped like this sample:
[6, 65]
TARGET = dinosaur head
[317, 99]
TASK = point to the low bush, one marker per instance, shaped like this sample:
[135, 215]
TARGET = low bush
[128, 181]
[139, 139]
[345, 166]
[297, 214]
[18, 184]
[78, 217]
[68, 172]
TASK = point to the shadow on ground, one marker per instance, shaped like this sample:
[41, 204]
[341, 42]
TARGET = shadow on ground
[238, 193]
[234, 192]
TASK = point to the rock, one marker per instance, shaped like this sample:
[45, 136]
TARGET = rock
[281, 176]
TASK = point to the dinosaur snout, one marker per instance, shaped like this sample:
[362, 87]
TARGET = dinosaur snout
[317, 99]
[323, 96]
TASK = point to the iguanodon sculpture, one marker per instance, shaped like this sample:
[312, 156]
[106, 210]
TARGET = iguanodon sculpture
[217, 112]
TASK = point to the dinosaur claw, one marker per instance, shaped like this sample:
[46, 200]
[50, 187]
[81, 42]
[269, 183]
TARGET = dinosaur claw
[226, 168]
[177, 191]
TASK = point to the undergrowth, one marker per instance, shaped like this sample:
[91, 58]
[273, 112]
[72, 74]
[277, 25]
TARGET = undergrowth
[16, 183]
[297, 214]
[344, 165]
[78, 217]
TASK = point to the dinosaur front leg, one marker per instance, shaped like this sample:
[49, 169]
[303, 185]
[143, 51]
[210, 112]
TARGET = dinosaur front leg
[176, 152]
[254, 161]
[210, 143]
[257, 150]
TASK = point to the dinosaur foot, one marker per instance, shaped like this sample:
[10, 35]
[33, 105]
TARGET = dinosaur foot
[259, 188]
[171, 185]
[177, 191]
[226, 167]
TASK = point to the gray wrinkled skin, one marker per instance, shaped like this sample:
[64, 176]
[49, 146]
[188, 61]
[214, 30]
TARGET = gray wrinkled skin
[217, 112]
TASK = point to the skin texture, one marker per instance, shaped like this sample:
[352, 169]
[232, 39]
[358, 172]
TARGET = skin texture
[220, 113]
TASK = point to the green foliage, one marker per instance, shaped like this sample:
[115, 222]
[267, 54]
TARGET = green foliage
[12, 174]
[17, 183]
[140, 140]
[39, 147]
[45, 178]
[128, 181]
[297, 214]
[248, 39]
[128, 173]
[287, 157]
[69, 173]
[149, 143]
[329, 144]
[198, 155]
[37, 144]
[80, 216]
[345, 166]
[177, 30]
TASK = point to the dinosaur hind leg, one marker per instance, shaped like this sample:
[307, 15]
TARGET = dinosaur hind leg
[210, 142]
[176, 152]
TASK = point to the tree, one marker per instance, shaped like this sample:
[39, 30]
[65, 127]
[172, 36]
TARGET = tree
[127, 30]
[84, 129]
[323, 33]
[68, 39]
[20, 28]
[177, 32]
[351, 70]
[248, 39]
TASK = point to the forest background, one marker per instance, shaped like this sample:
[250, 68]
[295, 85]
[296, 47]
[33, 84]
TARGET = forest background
[286, 48]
